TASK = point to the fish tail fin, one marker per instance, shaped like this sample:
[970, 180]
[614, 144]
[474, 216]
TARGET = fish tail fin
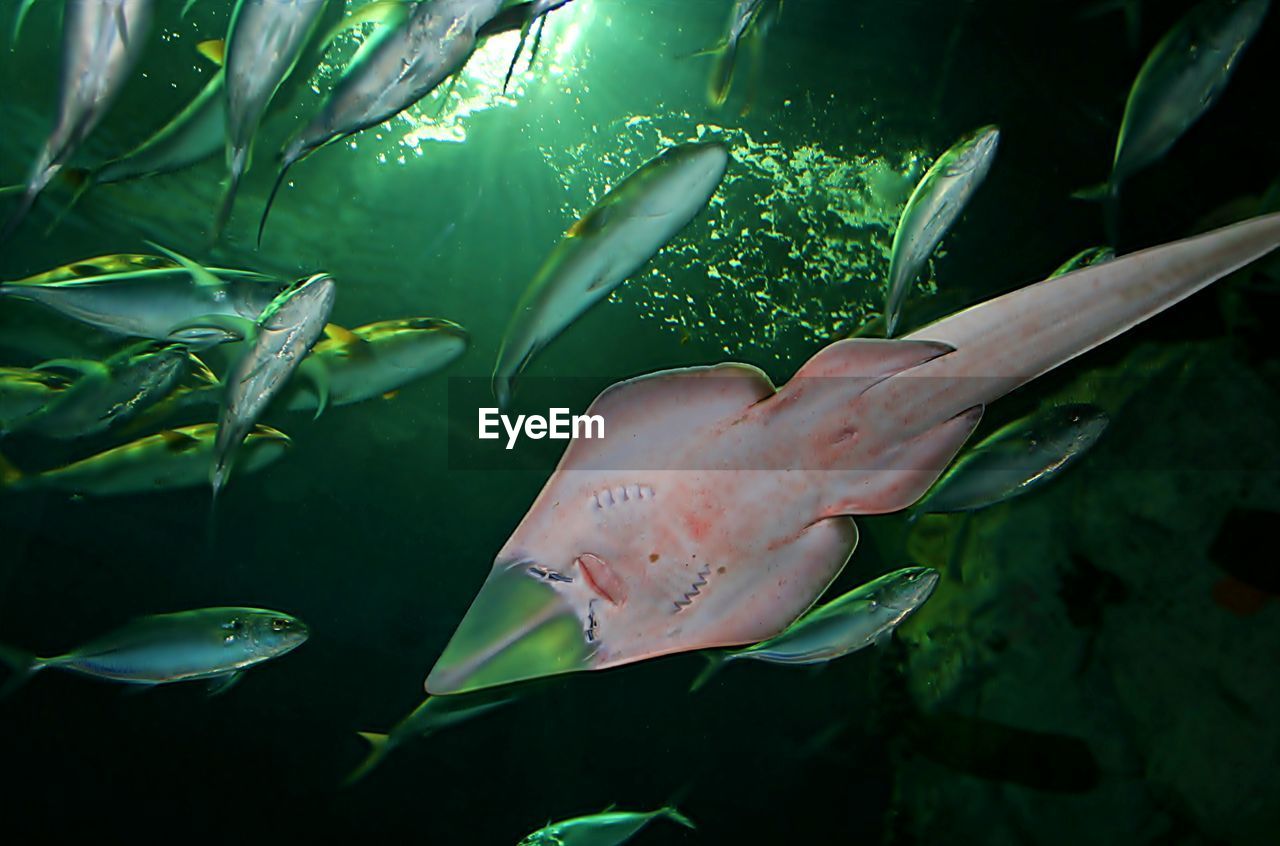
[22, 666]
[715, 660]
[722, 73]
[673, 814]
[19, 19]
[378, 748]
[238, 160]
[10, 476]
[288, 162]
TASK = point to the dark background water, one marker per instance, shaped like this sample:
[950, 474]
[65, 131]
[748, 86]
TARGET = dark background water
[367, 532]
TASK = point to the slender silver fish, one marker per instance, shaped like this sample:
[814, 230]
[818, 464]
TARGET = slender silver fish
[381, 358]
[112, 392]
[611, 242]
[435, 714]
[862, 617]
[934, 206]
[748, 20]
[1183, 77]
[610, 828]
[1017, 459]
[101, 43]
[417, 47]
[264, 42]
[281, 339]
[166, 461]
[148, 296]
[208, 644]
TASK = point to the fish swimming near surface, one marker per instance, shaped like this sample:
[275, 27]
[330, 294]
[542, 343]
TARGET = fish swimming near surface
[1085, 258]
[435, 714]
[209, 644]
[416, 47]
[149, 296]
[264, 42]
[24, 392]
[610, 828]
[611, 242]
[167, 461]
[862, 617]
[278, 343]
[934, 206]
[1183, 77]
[101, 43]
[195, 134]
[717, 507]
[380, 359]
[522, 17]
[112, 392]
[1017, 459]
[749, 21]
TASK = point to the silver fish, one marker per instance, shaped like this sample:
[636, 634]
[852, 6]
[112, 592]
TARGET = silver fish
[860, 618]
[1085, 258]
[749, 20]
[111, 392]
[610, 243]
[282, 337]
[101, 43]
[435, 714]
[1183, 77]
[610, 828]
[148, 296]
[169, 460]
[934, 206]
[264, 42]
[417, 48]
[210, 644]
[381, 358]
[24, 392]
[1017, 459]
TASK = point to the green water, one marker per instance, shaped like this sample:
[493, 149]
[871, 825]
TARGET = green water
[1081, 673]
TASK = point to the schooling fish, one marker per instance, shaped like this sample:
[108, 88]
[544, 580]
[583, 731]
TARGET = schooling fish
[148, 296]
[748, 19]
[417, 47]
[195, 134]
[610, 828]
[433, 715]
[1017, 459]
[717, 508]
[864, 616]
[1181, 79]
[934, 206]
[101, 43]
[169, 460]
[280, 340]
[381, 358]
[109, 393]
[1085, 258]
[264, 42]
[612, 241]
[24, 392]
[209, 644]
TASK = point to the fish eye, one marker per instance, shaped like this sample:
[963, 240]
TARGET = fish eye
[279, 624]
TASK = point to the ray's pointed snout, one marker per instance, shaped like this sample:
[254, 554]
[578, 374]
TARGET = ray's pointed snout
[519, 627]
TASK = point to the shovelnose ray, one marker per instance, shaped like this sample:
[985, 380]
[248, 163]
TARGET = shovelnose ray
[101, 43]
[612, 241]
[264, 42]
[716, 509]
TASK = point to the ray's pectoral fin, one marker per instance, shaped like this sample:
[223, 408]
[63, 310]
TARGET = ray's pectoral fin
[902, 474]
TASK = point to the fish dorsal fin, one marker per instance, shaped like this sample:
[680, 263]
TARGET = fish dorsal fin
[592, 222]
[651, 415]
[340, 334]
[199, 273]
[179, 441]
[215, 50]
[873, 358]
